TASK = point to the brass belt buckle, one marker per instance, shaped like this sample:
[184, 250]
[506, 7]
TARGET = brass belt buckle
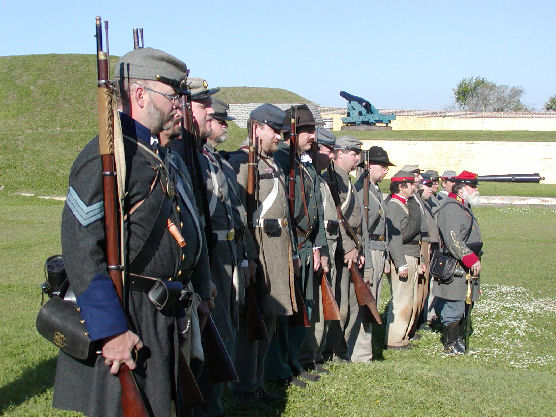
[231, 234]
[381, 238]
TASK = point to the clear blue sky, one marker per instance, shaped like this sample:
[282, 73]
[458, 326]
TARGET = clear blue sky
[397, 54]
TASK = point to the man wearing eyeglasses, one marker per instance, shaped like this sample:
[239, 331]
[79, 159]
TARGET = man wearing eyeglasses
[161, 263]
[461, 237]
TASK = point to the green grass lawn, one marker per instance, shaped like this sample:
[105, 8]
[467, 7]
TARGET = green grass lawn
[510, 371]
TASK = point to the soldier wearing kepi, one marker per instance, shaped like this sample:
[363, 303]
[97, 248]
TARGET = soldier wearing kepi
[228, 221]
[158, 190]
[435, 178]
[447, 181]
[273, 244]
[404, 261]
[376, 217]
[461, 237]
[353, 331]
[308, 226]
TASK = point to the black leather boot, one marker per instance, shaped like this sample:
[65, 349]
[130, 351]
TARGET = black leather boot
[461, 336]
[451, 333]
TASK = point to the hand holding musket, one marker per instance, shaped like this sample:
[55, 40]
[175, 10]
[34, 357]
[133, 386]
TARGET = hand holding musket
[132, 403]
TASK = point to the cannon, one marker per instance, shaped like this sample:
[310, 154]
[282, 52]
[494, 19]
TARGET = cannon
[362, 112]
[530, 178]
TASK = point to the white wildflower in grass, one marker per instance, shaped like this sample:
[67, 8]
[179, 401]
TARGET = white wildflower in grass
[507, 324]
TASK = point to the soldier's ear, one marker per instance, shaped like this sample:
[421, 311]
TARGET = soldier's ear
[138, 95]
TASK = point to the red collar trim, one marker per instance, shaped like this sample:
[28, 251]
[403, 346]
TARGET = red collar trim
[456, 197]
[400, 198]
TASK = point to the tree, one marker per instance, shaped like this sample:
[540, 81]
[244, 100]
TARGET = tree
[550, 105]
[466, 88]
[479, 94]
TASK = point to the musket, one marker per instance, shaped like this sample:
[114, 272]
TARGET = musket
[132, 403]
[300, 317]
[366, 186]
[362, 290]
[330, 309]
[522, 178]
[256, 329]
[468, 308]
[138, 41]
[217, 361]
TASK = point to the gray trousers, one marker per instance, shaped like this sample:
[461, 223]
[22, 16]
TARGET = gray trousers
[375, 278]
[250, 356]
[351, 337]
[404, 305]
[311, 351]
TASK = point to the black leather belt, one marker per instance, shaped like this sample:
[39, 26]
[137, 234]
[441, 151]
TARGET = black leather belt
[141, 283]
[424, 234]
[161, 294]
[379, 238]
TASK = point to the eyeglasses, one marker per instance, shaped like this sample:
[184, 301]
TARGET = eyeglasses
[174, 98]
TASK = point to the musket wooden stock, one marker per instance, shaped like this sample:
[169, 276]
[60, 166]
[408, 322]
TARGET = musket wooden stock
[132, 403]
[300, 318]
[330, 309]
[363, 292]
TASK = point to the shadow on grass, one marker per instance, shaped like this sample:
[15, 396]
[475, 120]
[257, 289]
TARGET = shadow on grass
[32, 382]
[240, 407]
[379, 335]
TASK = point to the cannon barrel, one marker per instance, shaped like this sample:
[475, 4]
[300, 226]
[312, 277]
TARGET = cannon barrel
[531, 178]
[351, 97]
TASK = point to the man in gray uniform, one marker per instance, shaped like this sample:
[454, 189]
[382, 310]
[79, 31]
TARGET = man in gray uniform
[158, 191]
[447, 180]
[228, 221]
[272, 241]
[308, 226]
[376, 217]
[461, 237]
[429, 243]
[404, 250]
[355, 340]
[435, 178]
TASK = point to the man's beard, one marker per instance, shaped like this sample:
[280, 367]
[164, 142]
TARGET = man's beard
[472, 199]
[159, 121]
[222, 138]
